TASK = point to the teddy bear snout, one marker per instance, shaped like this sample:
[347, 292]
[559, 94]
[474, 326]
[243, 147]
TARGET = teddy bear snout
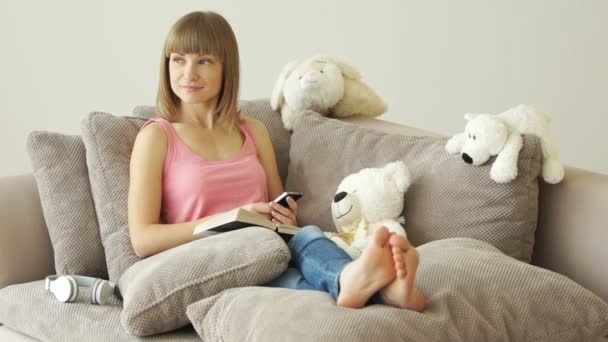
[339, 196]
[467, 159]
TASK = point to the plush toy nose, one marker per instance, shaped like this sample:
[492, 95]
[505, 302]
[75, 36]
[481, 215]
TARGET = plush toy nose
[339, 196]
[467, 159]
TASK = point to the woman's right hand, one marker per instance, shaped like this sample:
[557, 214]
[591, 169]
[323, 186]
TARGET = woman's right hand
[262, 208]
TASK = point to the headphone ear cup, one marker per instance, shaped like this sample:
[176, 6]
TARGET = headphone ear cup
[94, 292]
[64, 288]
[101, 292]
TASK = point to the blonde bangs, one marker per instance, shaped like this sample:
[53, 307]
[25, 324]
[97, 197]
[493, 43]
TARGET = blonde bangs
[194, 34]
[203, 33]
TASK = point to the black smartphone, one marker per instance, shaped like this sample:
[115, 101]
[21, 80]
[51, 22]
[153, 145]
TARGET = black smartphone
[282, 199]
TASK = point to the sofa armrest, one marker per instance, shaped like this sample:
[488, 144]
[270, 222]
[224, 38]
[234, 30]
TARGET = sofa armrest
[572, 230]
[26, 253]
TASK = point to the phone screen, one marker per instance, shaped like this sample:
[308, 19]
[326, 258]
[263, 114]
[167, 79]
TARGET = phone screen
[282, 199]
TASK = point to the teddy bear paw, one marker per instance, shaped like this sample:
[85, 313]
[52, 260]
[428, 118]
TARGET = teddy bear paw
[503, 174]
[453, 146]
[553, 171]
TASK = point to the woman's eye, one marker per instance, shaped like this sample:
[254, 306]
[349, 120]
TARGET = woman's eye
[177, 60]
[204, 61]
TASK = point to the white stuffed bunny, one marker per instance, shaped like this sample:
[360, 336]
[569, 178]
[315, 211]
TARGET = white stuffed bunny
[324, 85]
[366, 201]
[488, 135]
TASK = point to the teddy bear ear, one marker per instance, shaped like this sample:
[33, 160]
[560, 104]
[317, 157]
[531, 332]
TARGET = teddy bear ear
[398, 173]
[469, 116]
[276, 100]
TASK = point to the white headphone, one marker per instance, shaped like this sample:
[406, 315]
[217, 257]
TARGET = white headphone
[65, 288]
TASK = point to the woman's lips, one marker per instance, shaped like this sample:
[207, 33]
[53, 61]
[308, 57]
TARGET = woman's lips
[191, 89]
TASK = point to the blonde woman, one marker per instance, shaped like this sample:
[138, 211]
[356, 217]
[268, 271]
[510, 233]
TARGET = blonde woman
[201, 157]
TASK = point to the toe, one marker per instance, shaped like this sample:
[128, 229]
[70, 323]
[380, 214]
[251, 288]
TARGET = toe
[381, 236]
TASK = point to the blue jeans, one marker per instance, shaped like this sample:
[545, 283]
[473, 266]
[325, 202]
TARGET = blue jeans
[316, 264]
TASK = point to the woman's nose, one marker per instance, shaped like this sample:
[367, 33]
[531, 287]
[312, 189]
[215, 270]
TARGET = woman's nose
[190, 72]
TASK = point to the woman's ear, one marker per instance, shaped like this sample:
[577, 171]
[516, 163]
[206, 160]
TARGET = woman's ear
[277, 99]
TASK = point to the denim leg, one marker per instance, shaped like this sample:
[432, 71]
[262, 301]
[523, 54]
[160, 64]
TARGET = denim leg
[318, 259]
[316, 263]
[290, 279]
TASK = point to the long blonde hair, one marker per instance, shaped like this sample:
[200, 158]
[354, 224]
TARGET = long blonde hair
[202, 33]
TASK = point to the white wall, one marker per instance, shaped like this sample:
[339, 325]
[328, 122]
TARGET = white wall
[431, 60]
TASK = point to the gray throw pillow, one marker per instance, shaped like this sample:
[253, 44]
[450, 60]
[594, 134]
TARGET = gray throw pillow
[33, 311]
[473, 293]
[158, 289]
[109, 141]
[60, 169]
[258, 109]
[447, 197]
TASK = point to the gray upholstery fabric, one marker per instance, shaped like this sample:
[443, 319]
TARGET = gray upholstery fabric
[109, 141]
[157, 290]
[29, 309]
[258, 109]
[60, 169]
[447, 197]
[473, 292]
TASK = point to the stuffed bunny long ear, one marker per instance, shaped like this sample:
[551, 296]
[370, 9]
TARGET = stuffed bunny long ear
[358, 99]
[348, 71]
[276, 100]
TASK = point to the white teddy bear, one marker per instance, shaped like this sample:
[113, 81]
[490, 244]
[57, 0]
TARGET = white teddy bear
[326, 86]
[500, 135]
[367, 200]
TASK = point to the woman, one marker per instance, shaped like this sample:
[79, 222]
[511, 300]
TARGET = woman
[201, 157]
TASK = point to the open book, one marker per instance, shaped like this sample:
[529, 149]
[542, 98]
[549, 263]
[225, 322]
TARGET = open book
[240, 218]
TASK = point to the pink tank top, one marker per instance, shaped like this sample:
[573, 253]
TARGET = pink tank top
[194, 187]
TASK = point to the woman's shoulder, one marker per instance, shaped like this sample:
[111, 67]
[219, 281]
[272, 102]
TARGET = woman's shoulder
[257, 126]
[151, 136]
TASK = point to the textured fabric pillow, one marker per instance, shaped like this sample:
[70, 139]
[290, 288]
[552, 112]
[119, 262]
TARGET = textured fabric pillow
[31, 310]
[109, 141]
[60, 169]
[447, 198]
[157, 290]
[260, 110]
[473, 293]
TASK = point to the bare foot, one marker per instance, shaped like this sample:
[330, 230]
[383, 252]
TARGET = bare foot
[401, 292]
[369, 273]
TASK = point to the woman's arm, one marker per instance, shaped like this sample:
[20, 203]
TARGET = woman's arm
[148, 237]
[268, 160]
[267, 157]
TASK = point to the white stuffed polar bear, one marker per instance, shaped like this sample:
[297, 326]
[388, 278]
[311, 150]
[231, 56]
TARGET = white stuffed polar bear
[367, 200]
[499, 135]
[326, 86]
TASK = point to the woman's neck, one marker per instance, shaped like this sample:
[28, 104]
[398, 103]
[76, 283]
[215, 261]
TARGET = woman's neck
[201, 115]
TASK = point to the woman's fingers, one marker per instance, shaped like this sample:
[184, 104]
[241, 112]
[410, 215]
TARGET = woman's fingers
[282, 214]
[293, 205]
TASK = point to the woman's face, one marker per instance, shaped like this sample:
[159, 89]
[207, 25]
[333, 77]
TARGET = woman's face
[195, 79]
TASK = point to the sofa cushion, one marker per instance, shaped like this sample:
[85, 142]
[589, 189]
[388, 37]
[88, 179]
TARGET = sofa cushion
[447, 197]
[59, 166]
[473, 293]
[31, 310]
[258, 109]
[158, 289]
[109, 141]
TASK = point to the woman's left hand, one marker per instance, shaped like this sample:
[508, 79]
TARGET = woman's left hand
[280, 214]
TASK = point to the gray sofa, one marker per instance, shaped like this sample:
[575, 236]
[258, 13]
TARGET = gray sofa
[570, 238]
